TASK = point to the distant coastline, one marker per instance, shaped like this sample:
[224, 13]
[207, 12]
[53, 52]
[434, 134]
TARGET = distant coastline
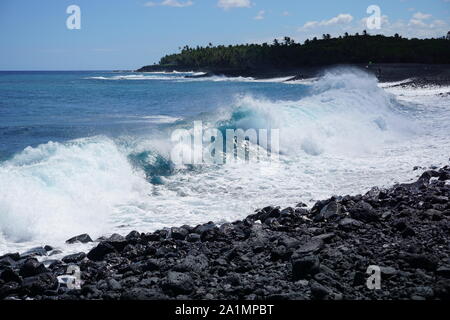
[388, 58]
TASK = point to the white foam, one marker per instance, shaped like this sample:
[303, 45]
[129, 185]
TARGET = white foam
[137, 77]
[393, 83]
[57, 190]
[168, 76]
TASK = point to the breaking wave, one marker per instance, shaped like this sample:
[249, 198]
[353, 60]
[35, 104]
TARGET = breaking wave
[99, 185]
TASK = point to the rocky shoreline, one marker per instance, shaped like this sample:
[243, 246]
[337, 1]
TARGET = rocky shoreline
[274, 254]
[423, 74]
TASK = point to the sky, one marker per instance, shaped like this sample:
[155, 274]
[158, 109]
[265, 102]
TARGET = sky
[127, 34]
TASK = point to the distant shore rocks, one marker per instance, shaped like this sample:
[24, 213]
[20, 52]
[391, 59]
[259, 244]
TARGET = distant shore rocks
[322, 253]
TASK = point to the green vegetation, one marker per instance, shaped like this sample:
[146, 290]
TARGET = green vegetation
[284, 54]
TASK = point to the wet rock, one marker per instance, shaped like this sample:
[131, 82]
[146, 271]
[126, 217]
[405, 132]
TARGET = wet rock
[301, 205]
[151, 265]
[304, 266]
[8, 289]
[195, 263]
[443, 271]
[193, 237]
[179, 233]
[9, 275]
[40, 283]
[364, 212]
[38, 251]
[209, 235]
[99, 252]
[325, 237]
[359, 278]
[32, 267]
[204, 227]
[348, 224]
[279, 253]
[388, 272]
[422, 261]
[319, 291]
[114, 285]
[55, 252]
[439, 199]
[83, 238]
[329, 211]
[133, 237]
[433, 214]
[312, 246]
[74, 258]
[142, 294]
[115, 237]
[177, 283]
[408, 232]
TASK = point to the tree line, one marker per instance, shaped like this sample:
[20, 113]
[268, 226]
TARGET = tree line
[286, 53]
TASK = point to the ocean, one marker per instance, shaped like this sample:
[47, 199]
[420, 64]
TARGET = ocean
[90, 152]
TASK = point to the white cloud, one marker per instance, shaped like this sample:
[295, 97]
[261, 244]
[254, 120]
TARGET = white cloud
[260, 15]
[421, 16]
[170, 3]
[426, 27]
[227, 4]
[417, 23]
[418, 18]
[343, 18]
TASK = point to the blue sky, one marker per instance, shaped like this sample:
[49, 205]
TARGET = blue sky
[126, 34]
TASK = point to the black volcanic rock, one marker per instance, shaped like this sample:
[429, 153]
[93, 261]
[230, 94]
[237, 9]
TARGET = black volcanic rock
[178, 283]
[291, 253]
[73, 258]
[32, 267]
[83, 238]
[38, 251]
[100, 251]
[304, 266]
[364, 212]
[40, 283]
[9, 275]
[179, 233]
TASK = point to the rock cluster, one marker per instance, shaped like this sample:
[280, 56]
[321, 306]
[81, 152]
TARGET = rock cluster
[292, 253]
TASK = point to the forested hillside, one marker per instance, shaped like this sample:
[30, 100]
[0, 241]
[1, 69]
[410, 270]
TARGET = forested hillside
[350, 49]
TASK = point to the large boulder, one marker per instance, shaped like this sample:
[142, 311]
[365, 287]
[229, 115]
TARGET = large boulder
[177, 283]
[99, 252]
[83, 238]
[363, 211]
[40, 283]
[31, 268]
[304, 266]
[74, 258]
